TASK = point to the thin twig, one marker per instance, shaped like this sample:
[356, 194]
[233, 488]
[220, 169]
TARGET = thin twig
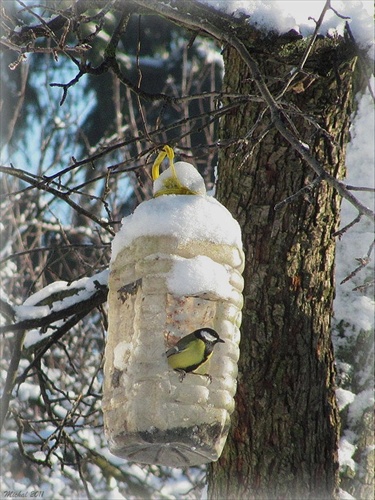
[217, 113]
[18, 107]
[43, 185]
[308, 49]
[70, 246]
[293, 197]
[79, 49]
[348, 226]
[360, 188]
[43, 23]
[364, 286]
[55, 337]
[66, 86]
[364, 261]
[7, 310]
[140, 76]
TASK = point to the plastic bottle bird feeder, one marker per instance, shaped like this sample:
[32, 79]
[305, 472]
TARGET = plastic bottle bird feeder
[176, 267]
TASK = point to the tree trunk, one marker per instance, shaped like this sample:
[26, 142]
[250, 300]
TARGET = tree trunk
[284, 434]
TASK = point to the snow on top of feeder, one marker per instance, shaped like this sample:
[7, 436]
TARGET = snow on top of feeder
[184, 216]
[180, 209]
[187, 175]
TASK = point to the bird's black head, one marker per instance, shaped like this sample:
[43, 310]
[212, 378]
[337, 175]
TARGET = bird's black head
[208, 335]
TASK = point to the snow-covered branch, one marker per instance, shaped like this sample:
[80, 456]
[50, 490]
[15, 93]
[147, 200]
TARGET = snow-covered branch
[58, 302]
[47, 316]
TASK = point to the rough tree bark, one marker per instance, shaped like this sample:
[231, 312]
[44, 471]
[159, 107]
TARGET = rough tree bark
[283, 440]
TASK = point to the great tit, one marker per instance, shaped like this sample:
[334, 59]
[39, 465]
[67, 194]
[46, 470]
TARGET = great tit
[193, 351]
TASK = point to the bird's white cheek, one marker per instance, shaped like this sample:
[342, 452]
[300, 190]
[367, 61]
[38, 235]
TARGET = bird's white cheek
[207, 336]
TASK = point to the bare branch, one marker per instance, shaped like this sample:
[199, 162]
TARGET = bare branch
[364, 286]
[341, 16]
[20, 101]
[55, 337]
[7, 310]
[43, 184]
[238, 101]
[363, 262]
[303, 191]
[48, 249]
[66, 86]
[360, 188]
[28, 33]
[348, 226]
[77, 49]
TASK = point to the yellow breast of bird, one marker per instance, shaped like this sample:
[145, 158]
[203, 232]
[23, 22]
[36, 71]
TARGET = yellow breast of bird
[190, 358]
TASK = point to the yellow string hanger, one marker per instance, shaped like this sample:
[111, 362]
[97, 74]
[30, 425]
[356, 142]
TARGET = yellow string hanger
[172, 184]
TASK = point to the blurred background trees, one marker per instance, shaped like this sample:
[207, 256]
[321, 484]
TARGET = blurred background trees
[58, 222]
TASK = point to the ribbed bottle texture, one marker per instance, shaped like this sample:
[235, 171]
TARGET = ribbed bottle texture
[161, 288]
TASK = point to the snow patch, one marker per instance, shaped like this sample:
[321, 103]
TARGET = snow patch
[187, 217]
[344, 398]
[346, 451]
[186, 173]
[197, 276]
[120, 353]
[282, 16]
[361, 402]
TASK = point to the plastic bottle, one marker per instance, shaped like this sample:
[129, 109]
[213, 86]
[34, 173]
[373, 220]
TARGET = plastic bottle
[176, 267]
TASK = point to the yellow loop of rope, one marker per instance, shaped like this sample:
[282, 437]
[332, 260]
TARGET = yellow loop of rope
[166, 151]
[172, 185]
